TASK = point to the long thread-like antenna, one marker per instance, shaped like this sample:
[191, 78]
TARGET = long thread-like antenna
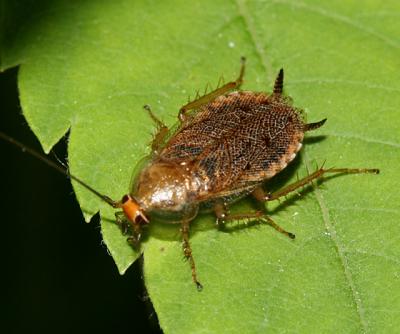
[57, 167]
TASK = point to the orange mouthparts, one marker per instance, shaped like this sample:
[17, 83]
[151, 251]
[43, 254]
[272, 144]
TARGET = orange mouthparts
[132, 210]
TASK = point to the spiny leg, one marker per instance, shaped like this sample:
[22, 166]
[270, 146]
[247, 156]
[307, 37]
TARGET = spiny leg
[122, 222]
[278, 86]
[134, 230]
[309, 179]
[187, 251]
[134, 239]
[214, 94]
[162, 131]
[258, 216]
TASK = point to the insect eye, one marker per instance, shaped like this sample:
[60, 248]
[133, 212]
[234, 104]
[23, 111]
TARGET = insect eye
[125, 199]
[141, 219]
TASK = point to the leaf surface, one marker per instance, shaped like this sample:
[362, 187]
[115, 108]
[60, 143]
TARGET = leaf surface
[90, 66]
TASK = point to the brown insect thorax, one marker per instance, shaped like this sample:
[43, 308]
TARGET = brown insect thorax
[223, 150]
[165, 190]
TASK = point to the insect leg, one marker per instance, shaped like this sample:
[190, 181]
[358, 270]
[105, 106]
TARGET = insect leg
[221, 212]
[309, 179]
[269, 221]
[122, 222]
[134, 239]
[187, 251]
[257, 216]
[214, 94]
[162, 131]
[134, 230]
[223, 216]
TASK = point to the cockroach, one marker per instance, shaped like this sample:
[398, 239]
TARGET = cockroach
[226, 145]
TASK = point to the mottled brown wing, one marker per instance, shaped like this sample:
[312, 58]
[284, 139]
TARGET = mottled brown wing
[236, 140]
[209, 124]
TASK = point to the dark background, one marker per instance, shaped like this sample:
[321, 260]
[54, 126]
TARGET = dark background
[57, 274]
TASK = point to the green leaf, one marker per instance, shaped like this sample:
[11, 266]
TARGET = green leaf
[91, 66]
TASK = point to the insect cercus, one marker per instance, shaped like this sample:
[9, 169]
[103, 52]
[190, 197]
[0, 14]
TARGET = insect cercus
[227, 145]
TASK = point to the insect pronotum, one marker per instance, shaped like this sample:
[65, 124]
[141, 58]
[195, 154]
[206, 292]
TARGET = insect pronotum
[228, 143]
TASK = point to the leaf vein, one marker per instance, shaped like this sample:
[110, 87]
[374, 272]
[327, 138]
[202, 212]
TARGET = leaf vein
[341, 253]
[367, 140]
[379, 255]
[251, 30]
[341, 18]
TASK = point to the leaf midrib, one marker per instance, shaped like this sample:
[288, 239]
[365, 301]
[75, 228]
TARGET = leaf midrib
[330, 228]
[244, 14]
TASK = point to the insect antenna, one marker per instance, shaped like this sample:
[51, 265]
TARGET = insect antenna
[59, 160]
[313, 126]
[60, 168]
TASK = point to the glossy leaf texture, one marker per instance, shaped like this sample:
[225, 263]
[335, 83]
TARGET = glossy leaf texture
[90, 66]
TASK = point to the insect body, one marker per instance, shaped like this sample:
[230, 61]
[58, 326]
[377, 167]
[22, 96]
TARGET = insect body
[228, 143]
